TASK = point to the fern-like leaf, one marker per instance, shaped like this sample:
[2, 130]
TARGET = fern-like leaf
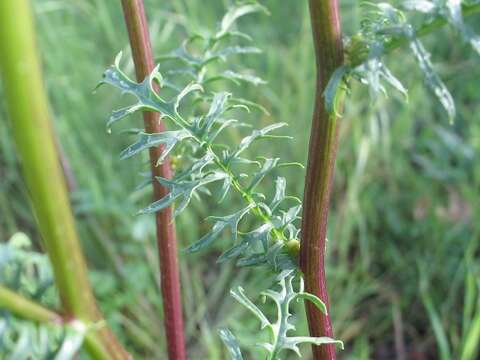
[280, 328]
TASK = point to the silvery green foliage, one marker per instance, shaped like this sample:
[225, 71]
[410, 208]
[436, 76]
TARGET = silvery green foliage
[197, 119]
[23, 269]
[385, 25]
[207, 165]
[22, 339]
[208, 162]
[196, 64]
[451, 10]
[29, 273]
[279, 329]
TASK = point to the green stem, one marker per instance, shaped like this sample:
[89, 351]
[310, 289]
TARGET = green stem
[327, 39]
[27, 309]
[33, 134]
[256, 209]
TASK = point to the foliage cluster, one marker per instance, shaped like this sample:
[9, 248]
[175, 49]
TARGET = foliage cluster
[29, 273]
[200, 117]
[383, 29]
[434, 154]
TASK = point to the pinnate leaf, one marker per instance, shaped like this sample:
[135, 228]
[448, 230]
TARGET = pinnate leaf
[184, 190]
[222, 223]
[280, 328]
[167, 138]
[259, 134]
[239, 295]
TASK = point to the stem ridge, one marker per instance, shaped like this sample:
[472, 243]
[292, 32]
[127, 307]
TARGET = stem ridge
[320, 169]
[134, 14]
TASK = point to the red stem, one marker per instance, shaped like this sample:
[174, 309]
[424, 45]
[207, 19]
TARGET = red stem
[136, 22]
[320, 169]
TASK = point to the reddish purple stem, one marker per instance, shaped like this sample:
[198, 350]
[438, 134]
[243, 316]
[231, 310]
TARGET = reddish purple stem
[170, 280]
[320, 169]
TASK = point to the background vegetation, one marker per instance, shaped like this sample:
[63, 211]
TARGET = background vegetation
[404, 236]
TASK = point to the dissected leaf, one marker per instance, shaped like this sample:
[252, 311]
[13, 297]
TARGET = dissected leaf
[384, 24]
[249, 240]
[221, 223]
[292, 343]
[235, 50]
[217, 108]
[147, 98]
[143, 92]
[181, 53]
[373, 72]
[237, 78]
[258, 134]
[276, 256]
[197, 168]
[167, 138]
[239, 295]
[290, 216]
[184, 190]
[233, 252]
[280, 328]
[267, 167]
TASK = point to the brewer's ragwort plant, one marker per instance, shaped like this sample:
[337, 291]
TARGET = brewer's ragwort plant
[199, 116]
[264, 230]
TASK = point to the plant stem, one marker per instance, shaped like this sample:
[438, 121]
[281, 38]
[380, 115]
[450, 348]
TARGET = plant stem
[30, 310]
[327, 39]
[33, 134]
[27, 309]
[136, 22]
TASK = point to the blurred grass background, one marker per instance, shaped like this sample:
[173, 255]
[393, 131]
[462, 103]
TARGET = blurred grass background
[404, 228]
